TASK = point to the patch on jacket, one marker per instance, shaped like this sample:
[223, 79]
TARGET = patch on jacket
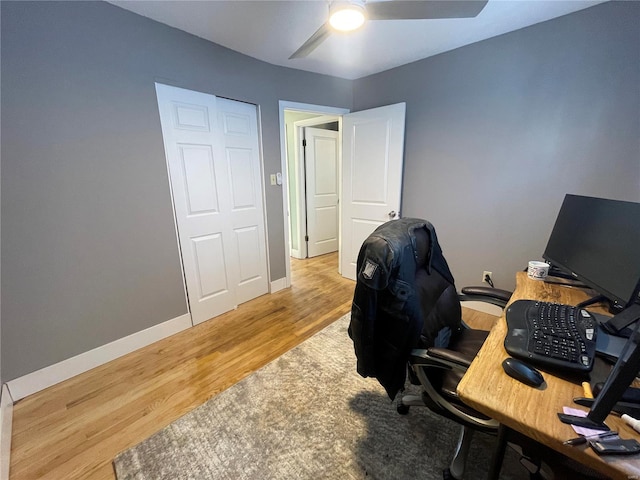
[369, 269]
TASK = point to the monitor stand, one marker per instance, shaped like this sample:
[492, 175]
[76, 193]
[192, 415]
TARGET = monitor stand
[613, 307]
[592, 301]
[623, 373]
[585, 422]
[622, 320]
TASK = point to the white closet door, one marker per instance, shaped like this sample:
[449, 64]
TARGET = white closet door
[206, 176]
[239, 137]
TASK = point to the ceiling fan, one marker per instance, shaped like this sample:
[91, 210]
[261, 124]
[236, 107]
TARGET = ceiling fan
[350, 15]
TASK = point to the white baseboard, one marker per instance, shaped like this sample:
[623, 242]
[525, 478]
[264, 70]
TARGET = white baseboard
[40, 379]
[6, 419]
[296, 254]
[279, 284]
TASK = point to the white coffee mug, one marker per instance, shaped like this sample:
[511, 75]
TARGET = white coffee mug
[537, 270]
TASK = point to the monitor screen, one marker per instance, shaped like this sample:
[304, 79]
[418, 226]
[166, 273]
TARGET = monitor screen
[598, 241]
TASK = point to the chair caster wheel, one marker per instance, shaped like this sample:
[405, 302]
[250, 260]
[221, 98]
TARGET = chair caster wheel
[402, 409]
[446, 474]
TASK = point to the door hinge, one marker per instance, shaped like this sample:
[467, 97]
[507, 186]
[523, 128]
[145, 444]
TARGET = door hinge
[304, 142]
[306, 238]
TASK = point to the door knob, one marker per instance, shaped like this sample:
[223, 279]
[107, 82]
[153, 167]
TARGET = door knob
[392, 214]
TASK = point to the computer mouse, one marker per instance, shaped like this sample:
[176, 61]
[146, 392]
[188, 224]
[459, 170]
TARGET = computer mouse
[522, 372]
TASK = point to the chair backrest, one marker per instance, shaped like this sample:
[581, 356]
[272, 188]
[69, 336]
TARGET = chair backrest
[436, 296]
[405, 298]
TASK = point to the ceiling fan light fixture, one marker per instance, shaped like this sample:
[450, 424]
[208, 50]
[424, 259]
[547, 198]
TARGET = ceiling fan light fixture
[347, 16]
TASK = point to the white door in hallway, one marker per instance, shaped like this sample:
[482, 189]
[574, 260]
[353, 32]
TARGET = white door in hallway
[372, 160]
[321, 170]
[212, 151]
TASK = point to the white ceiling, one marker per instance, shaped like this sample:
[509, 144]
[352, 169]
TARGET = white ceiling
[273, 30]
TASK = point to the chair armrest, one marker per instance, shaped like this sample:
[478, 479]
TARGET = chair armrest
[491, 295]
[439, 358]
[450, 356]
[489, 292]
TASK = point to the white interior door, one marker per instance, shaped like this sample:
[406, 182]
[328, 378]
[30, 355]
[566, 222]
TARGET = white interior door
[212, 154]
[372, 159]
[321, 168]
[238, 127]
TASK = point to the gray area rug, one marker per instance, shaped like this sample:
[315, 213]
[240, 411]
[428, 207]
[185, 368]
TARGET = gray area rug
[307, 415]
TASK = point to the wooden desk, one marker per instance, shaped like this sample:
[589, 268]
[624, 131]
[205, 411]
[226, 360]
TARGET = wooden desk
[533, 411]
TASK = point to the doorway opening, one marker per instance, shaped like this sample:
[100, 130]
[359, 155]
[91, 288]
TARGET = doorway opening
[313, 178]
[369, 170]
[295, 118]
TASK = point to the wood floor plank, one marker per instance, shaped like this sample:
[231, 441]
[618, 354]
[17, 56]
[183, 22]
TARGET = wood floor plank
[74, 429]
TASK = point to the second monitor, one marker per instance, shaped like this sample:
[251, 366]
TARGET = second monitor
[597, 241]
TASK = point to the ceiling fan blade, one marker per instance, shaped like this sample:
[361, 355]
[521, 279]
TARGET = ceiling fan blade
[415, 10]
[313, 42]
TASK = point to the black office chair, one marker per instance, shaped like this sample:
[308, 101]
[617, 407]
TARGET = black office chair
[406, 310]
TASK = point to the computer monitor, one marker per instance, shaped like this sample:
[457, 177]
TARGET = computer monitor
[598, 242]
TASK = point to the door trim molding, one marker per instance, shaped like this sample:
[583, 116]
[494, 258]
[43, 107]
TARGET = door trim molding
[278, 285]
[6, 423]
[158, 87]
[263, 176]
[300, 107]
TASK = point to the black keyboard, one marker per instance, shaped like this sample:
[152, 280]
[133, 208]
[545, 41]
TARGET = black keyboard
[551, 335]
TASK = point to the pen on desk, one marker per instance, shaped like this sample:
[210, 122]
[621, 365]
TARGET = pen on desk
[581, 440]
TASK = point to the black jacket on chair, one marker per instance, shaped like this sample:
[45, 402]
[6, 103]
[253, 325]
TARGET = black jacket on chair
[387, 320]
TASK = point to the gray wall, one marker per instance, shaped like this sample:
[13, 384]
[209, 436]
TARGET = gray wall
[498, 132]
[89, 251]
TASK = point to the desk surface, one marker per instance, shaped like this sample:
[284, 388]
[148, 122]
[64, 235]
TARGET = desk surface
[533, 411]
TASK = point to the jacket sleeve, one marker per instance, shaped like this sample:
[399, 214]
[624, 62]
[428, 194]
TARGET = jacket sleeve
[361, 329]
[372, 273]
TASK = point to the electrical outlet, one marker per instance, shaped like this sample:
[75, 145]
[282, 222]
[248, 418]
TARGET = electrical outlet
[486, 274]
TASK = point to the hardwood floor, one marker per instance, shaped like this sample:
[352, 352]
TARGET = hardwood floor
[74, 429]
